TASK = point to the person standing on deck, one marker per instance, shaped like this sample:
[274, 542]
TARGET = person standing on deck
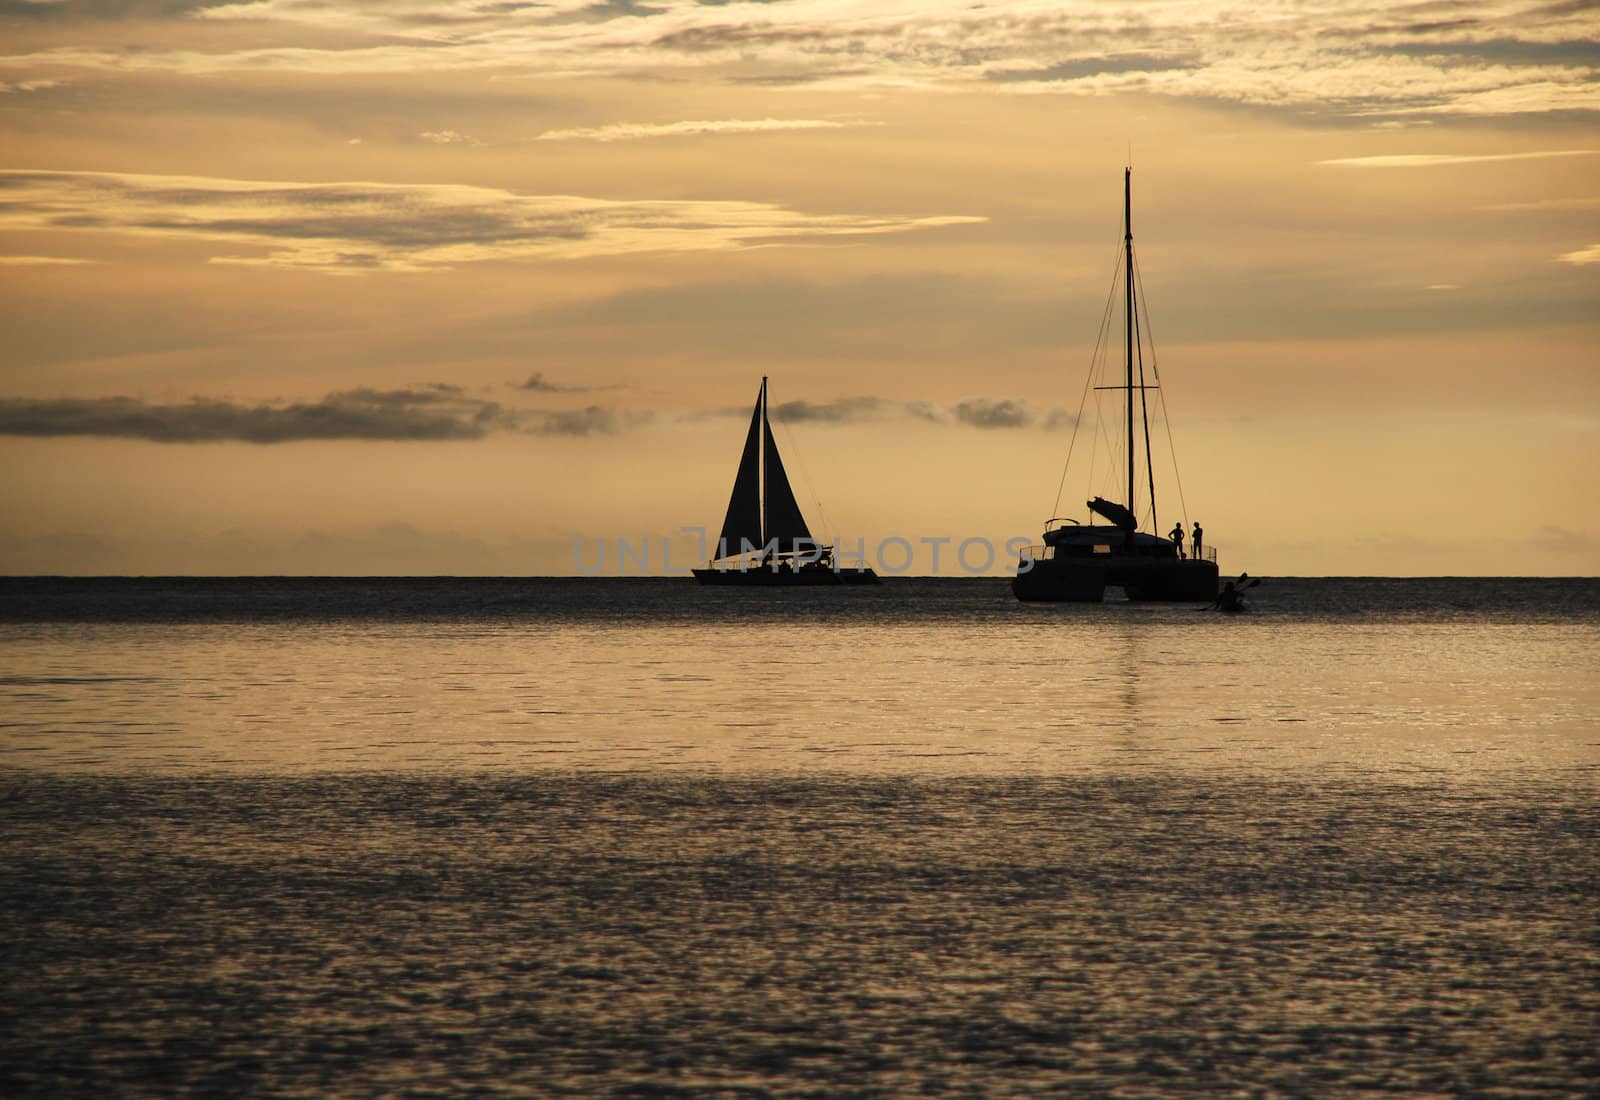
[1177, 537]
[1194, 546]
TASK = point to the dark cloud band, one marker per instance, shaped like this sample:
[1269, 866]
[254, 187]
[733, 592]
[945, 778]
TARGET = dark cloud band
[360, 414]
[971, 412]
[421, 414]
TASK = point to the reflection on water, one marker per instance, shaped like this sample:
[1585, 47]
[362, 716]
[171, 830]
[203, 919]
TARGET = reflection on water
[1090, 694]
[547, 839]
[562, 935]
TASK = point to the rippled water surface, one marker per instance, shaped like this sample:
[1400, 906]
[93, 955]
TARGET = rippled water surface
[303, 838]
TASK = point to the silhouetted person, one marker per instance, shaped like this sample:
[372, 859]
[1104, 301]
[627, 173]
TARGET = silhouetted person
[1194, 547]
[1177, 537]
[1229, 599]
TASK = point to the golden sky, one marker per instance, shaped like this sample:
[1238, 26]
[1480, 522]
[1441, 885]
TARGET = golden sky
[295, 286]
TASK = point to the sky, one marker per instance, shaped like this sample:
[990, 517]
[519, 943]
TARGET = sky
[478, 287]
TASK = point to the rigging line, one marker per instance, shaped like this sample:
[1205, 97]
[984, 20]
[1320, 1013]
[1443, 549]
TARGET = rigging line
[1108, 438]
[805, 475]
[1100, 440]
[1110, 484]
[1166, 414]
[1144, 398]
[1099, 371]
[1088, 381]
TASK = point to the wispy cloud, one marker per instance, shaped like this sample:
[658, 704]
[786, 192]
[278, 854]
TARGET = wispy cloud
[971, 412]
[984, 412]
[538, 383]
[988, 413]
[1059, 419]
[1561, 540]
[1334, 57]
[1085, 67]
[355, 227]
[425, 413]
[843, 410]
[633, 131]
[1432, 160]
[1584, 203]
[1582, 257]
[448, 137]
[591, 420]
[39, 261]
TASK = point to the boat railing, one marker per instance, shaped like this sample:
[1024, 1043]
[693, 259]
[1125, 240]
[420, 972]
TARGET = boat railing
[1041, 552]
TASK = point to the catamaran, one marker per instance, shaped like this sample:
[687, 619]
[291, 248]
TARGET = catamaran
[765, 539]
[1077, 561]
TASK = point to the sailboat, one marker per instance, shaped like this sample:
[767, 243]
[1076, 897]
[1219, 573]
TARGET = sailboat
[765, 539]
[1077, 561]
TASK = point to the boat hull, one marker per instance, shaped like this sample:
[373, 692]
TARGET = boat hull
[766, 577]
[1079, 580]
[1082, 582]
[1174, 580]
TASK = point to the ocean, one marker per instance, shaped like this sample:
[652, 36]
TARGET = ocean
[635, 838]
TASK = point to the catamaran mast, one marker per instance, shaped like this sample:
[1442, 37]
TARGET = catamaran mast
[1127, 317]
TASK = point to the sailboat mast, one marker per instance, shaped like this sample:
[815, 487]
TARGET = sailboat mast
[761, 480]
[1127, 316]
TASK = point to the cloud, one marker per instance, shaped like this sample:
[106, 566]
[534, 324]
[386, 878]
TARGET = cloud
[984, 412]
[426, 413]
[1546, 204]
[539, 384]
[633, 131]
[843, 410]
[448, 137]
[1431, 160]
[354, 227]
[1355, 60]
[1082, 67]
[1582, 257]
[96, 10]
[13, 87]
[39, 261]
[418, 413]
[981, 412]
[593, 420]
[1059, 419]
[1560, 540]
[972, 412]
[1507, 50]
